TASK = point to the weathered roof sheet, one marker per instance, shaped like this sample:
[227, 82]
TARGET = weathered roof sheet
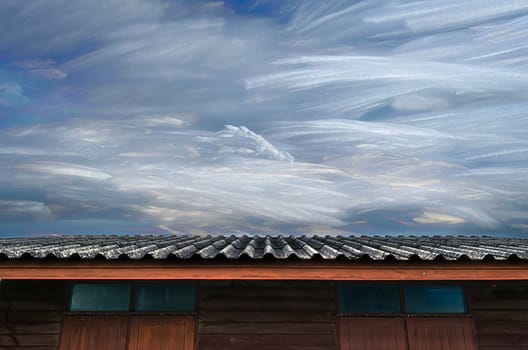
[257, 247]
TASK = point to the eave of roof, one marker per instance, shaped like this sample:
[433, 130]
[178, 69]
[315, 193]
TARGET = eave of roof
[165, 270]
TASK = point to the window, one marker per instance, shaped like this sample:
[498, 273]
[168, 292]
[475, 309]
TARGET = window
[168, 297]
[172, 297]
[100, 297]
[389, 317]
[365, 299]
[387, 299]
[435, 300]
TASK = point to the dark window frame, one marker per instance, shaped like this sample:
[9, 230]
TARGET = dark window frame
[403, 308]
[71, 296]
[395, 286]
[192, 294]
[132, 307]
[462, 289]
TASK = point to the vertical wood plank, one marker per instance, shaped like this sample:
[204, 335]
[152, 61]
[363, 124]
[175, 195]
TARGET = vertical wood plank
[94, 333]
[441, 334]
[344, 335]
[372, 333]
[190, 331]
[161, 333]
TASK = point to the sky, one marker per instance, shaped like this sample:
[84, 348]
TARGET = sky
[264, 117]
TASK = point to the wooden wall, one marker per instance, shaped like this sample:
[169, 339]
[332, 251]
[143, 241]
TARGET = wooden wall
[30, 314]
[267, 315]
[500, 313]
[259, 315]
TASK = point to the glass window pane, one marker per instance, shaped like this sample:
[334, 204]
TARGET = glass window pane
[165, 297]
[369, 299]
[435, 300]
[100, 297]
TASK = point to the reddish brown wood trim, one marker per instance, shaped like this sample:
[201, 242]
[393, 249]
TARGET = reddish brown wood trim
[143, 270]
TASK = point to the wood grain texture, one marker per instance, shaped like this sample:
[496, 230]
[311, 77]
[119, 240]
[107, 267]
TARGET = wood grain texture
[500, 313]
[127, 333]
[365, 333]
[94, 333]
[227, 316]
[267, 315]
[266, 328]
[267, 342]
[161, 333]
[30, 314]
[437, 333]
[262, 270]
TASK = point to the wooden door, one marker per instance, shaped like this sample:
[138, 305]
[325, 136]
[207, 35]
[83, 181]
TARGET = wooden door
[94, 333]
[363, 333]
[161, 333]
[441, 334]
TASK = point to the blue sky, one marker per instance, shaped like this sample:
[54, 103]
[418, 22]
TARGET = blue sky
[375, 117]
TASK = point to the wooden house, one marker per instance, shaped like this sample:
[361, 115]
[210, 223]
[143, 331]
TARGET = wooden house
[263, 293]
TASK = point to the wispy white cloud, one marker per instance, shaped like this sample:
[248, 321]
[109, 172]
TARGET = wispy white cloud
[257, 144]
[24, 210]
[363, 83]
[438, 218]
[11, 93]
[236, 179]
[177, 176]
[28, 30]
[11, 89]
[42, 68]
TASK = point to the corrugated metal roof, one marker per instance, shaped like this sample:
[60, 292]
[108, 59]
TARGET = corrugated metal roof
[257, 247]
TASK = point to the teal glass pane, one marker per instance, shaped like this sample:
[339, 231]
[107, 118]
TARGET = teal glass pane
[100, 297]
[366, 299]
[165, 297]
[435, 300]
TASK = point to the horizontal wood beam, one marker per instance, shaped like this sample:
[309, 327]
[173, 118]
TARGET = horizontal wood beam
[358, 271]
